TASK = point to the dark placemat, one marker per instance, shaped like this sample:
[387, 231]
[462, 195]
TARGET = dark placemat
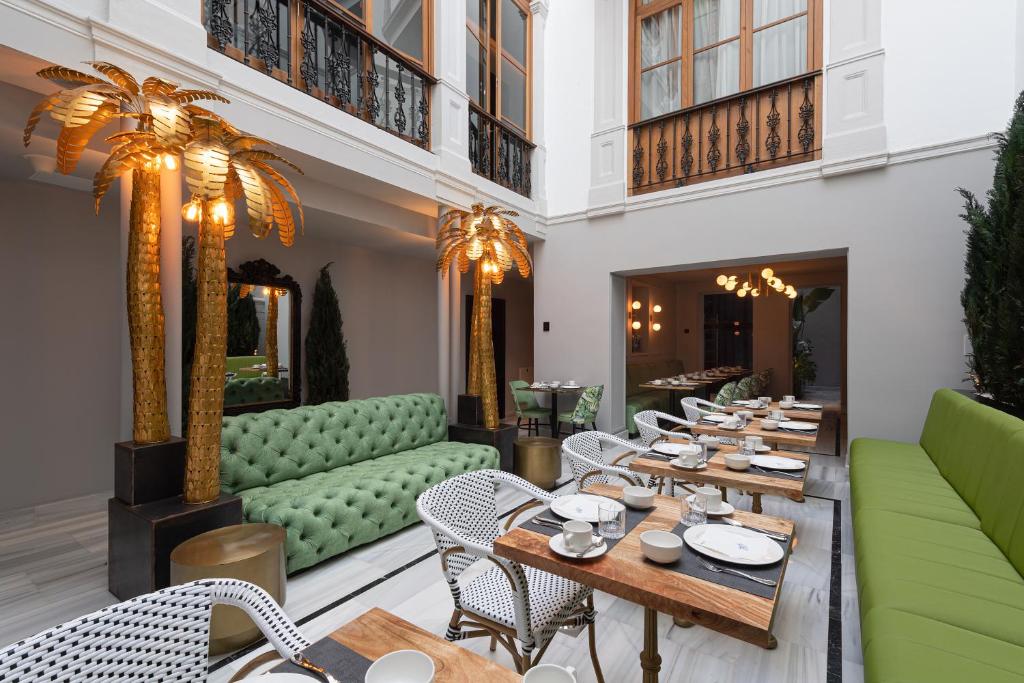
[776, 474]
[688, 565]
[341, 662]
[633, 519]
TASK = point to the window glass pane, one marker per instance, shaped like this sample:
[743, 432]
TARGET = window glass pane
[513, 94]
[716, 72]
[353, 6]
[767, 11]
[513, 31]
[476, 9]
[780, 51]
[659, 91]
[659, 36]
[715, 20]
[476, 63]
[399, 23]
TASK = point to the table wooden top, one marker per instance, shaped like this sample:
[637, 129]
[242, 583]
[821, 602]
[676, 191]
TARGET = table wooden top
[377, 632]
[717, 474]
[686, 386]
[776, 436]
[555, 390]
[792, 413]
[624, 573]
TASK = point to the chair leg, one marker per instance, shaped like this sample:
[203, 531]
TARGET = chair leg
[494, 643]
[519, 425]
[526, 663]
[592, 637]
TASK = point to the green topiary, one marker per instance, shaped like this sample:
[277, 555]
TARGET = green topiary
[326, 356]
[243, 323]
[993, 295]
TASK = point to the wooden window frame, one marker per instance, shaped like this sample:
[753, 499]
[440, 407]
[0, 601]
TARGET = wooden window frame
[638, 12]
[495, 56]
[366, 22]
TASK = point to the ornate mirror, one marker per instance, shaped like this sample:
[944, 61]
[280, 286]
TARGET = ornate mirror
[264, 362]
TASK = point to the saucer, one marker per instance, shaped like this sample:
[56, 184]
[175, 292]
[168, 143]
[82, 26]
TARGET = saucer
[725, 509]
[676, 463]
[557, 544]
[763, 449]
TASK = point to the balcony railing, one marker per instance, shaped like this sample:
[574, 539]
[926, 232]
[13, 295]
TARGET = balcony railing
[497, 152]
[316, 48]
[771, 126]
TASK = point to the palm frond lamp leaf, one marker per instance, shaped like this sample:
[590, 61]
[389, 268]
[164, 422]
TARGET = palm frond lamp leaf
[223, 165]
[84, 105]
[489, 238]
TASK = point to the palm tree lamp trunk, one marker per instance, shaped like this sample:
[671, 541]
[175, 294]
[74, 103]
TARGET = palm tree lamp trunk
[273, 296]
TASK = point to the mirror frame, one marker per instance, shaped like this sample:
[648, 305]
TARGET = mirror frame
[266, 274]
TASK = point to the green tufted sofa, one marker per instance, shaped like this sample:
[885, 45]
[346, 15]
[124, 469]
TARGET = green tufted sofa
[339, 475]
[939, 535]
[245, 390]
[638, 399]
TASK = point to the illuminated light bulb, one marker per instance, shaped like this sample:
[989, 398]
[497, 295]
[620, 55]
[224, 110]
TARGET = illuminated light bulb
[736, 323]
[732, 278]
[636, 324]
[767, 273]
[266, 291]
[755, 292]
[736, 333]
[721, 280]
[730, 285]
[656, 327]
[222, 212]
[192, 211]
[746, 285]
[779, 286]
[792, 295]
[171, 162]
[636, 305]
[657, 308]
[742, 293]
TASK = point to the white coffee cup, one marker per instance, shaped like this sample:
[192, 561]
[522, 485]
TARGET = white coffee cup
[577, 535]
[689, 458]
[555, 383]
[754, 442]
[732, 422]
[712, 498]
[785, 405]
[402, 665]
[550, 673]
[789, 398]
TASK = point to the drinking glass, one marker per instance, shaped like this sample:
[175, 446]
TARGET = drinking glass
[694, 511]
[765, 401]
[775, 415]
[611, 519]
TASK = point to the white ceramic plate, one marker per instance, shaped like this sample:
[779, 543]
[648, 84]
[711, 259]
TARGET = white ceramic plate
[744, 403]
[807, 406]
[557, 543]
[681, 466]
[716, 417]
[675, 449]
[279, 678]
[763, 449]
[726, 508]
[733, 544]
[579, 506]
[777, 462]
[570, 386]
[801, 426]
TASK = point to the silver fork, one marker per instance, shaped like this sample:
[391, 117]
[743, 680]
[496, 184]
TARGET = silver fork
[300, 660]
[784, 474]
[735, 572]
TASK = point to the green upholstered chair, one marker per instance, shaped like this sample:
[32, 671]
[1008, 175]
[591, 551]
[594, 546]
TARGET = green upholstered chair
[761, 381]
[638, 399]
[746, 389]
[726, 395]
[246, 390]
[585, 411]
[338, 475]
[527, 407]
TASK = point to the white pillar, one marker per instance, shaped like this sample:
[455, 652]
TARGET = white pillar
[170, 286]
[449, 101]
[539, 10]
[608, 141]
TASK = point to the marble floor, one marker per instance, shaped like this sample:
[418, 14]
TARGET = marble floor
[52, 568]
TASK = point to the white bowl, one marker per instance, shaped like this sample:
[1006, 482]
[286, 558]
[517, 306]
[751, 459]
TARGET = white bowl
[661, 546]
[769, 425]
[785, 405]
[638, 496]
[402, 666]
[737, 461]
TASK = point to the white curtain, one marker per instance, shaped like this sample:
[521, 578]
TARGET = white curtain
[716, 72]
[767, 11]
[780, 51]
[660, 40]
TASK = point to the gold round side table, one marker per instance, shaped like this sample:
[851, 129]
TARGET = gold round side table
[538, 460]
[249, 552]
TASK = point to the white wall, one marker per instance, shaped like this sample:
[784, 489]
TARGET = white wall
[905, 247]
[61, 342]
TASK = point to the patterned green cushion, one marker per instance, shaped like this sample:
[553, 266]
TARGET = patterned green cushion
[328, 513]
[244, 390]
[726, 394]
[746, 388]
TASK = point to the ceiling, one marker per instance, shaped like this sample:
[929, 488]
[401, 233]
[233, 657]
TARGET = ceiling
[781, 267]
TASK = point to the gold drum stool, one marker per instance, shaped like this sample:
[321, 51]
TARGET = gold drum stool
[538, 460]
[249, 552]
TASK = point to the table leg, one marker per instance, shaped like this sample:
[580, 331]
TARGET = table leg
[554, 414]
[756, 506]
[725, 493]
[673, 402]
[650, 660]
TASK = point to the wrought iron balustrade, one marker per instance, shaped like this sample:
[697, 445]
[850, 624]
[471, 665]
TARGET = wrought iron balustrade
[317, 48]
[764, 128]
[499, 153]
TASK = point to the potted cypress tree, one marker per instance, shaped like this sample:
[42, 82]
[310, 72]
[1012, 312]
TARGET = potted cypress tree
[993, 294]
[326, 354]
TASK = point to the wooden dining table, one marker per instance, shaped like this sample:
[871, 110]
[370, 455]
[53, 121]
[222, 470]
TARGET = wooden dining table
[779, 437]
[625, 573]
[554, 392]
[791, 413]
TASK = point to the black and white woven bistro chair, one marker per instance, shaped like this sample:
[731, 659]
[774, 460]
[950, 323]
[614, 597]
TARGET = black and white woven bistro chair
[695, 408]
[161, 637]
[647, 423]
[592, 463]
[509, 602]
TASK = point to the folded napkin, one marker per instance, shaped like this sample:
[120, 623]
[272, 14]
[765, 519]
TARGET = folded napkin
[731, 543]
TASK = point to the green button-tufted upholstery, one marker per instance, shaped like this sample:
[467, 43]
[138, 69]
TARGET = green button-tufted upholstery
[339, 475]
[245, 390]
[939, 537]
